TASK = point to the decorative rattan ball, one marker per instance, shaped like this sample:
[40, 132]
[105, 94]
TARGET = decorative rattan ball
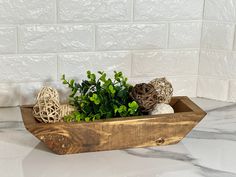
[164, 90]
[47, 110]
[145, 95]
[66, 109]
[48, 93]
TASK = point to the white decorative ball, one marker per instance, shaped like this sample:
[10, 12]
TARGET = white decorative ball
[162, 108]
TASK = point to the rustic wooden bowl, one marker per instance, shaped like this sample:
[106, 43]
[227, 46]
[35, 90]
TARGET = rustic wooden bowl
[117, 133]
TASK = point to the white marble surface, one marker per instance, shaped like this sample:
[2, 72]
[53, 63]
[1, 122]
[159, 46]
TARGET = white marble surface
[208, 151]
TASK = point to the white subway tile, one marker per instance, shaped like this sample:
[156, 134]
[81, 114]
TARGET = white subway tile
[94, 10]
[213, 88]
[165, 63]
[221, 10]
[232, 66]
[217, 35]
[9, 94]
[185, 35]
[26, 68]
[214, 63]
[37, 38]
[55, 38]
[29, 92]
[134, 36]
[27, 11]
[75, 38]
[76, 65]
[151, 10]
[184, 86]
[232, 91]
[8, 40]
[220, 64]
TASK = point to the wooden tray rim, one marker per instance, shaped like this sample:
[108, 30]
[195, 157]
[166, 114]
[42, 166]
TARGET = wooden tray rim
[196, 110]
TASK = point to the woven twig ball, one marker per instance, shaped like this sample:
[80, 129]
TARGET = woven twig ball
[145, 95]
[66, 109]
[47, 110]
[47, 107]
[164, 90]
[48, 92]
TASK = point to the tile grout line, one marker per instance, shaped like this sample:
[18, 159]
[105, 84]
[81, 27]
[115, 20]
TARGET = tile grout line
[132, 63]
[233, 41]
[57, 68]
[132, 11]
[94, 38]
[168, 36]
[114, 50]
[200, 46]
[116, 22]
[56, 12]
[232, 47]
[17, 39]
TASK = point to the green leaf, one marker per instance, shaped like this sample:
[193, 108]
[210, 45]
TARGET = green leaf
[100, 72]
[93, 77]
[122, 109]
[63, 77]
[115, 109]
[78, 117]
[89, 74]
[133, 107]
[72, 82]
[103, 77]
[95, 99]
[87, 119]
[112, 90]
[133, 104]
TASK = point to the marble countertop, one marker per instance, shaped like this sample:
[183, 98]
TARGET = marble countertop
[208, 151]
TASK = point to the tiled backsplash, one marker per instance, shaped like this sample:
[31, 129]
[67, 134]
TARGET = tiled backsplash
[217, 66]
[42, 39]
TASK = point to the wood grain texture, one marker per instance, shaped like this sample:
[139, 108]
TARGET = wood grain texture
[118, 133]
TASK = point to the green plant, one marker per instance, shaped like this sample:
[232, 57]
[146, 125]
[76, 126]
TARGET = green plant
[101, 98]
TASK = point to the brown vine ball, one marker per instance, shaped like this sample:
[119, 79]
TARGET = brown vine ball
[145, 95]
[164, 90]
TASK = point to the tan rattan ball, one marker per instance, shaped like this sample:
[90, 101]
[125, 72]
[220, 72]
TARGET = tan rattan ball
[66, 109]
[164, 90]
[48, 92]
[47, 110]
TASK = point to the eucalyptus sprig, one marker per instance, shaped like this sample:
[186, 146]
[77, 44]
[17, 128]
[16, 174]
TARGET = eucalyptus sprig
[100, 98]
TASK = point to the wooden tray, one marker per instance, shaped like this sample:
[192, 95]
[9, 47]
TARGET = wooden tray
[118, 133]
